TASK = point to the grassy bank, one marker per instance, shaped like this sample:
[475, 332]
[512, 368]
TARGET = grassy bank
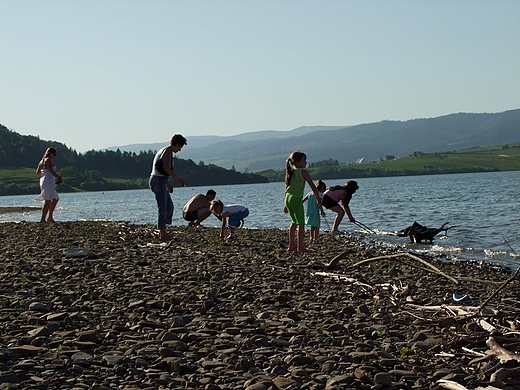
[478, 159]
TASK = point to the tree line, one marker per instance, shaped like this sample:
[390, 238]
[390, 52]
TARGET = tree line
[102, 170]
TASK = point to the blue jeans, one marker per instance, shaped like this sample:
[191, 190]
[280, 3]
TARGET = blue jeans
[235, 219]
[164, 200]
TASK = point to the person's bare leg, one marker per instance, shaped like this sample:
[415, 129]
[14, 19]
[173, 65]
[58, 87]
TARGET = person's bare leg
[52, 206]
[203, 214]
[292, 236]
[301, 237]
[164, 235]
[314, 233]
[339, 217]
[45, 210]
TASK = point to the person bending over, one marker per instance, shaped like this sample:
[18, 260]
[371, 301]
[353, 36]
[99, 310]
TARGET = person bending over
[343, 194]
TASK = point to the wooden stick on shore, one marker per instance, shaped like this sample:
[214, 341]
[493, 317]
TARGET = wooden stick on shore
[513, 277]
[334, 262]
[336, 259]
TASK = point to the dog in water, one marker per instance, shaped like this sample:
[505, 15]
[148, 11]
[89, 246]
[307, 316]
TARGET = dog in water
[418, 232]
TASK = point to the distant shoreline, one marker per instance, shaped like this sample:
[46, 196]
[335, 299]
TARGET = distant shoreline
[18, 209]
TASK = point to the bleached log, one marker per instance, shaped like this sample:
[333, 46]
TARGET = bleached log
[451, 385]
[501, 352]
[504, 373]
[486, 326]
[459, 310]
[457, 386]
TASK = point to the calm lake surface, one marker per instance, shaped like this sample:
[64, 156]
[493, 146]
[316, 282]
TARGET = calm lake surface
[484, 207]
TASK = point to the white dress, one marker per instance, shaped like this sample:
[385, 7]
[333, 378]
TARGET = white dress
[47, 186]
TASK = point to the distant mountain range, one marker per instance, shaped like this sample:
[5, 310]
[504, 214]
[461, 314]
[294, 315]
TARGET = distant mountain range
[256, 151]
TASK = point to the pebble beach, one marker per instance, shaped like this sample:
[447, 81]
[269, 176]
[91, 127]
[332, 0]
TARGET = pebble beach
[105, 305]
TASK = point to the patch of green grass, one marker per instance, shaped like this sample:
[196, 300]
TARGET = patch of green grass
[405, 352]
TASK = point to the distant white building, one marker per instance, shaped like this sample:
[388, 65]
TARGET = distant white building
[360, 160]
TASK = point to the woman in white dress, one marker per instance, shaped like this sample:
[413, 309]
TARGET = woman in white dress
[46, 170]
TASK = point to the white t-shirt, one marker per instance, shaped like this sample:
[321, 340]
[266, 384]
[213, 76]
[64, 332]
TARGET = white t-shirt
[233, 209]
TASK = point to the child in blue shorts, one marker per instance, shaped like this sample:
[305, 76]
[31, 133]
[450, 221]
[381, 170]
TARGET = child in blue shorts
[234, 212]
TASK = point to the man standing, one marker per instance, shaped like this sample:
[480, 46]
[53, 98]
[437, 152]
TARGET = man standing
[197, 208]
[162, 169]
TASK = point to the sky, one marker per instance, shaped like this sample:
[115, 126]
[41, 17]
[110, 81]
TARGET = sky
[99, 73]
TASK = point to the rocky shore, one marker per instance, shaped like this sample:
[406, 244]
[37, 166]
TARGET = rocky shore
[104, 305]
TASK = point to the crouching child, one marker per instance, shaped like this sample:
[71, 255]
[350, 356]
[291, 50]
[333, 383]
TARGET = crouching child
[234, 212]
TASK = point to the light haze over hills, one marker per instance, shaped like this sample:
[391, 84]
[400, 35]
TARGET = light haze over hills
[261, 150]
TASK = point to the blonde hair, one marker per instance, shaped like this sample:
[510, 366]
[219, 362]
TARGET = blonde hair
[216, 204]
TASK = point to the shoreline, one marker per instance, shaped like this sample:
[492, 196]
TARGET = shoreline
[200, 312]
[18, 209]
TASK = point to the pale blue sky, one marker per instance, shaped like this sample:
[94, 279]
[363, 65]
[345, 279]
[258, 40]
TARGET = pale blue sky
[98, 73]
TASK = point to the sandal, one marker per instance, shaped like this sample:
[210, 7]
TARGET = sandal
[292, 249]
[304, 250]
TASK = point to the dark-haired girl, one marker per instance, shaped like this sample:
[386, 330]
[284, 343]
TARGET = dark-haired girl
[336, 194]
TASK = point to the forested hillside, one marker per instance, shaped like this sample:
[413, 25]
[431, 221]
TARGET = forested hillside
[96, 170]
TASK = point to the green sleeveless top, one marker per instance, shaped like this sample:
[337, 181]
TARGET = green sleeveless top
[297, 184]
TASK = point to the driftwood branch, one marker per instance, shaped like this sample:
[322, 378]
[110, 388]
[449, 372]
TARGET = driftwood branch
[335, 260]
[344, 278]
[514, 276]
[456, 310]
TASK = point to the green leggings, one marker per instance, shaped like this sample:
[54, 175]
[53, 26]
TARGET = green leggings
[294, 205]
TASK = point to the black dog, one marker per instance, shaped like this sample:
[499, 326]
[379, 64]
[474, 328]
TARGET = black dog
[418, 232]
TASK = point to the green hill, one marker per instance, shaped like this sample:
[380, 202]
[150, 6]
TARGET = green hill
[116, 170]
[478, 159]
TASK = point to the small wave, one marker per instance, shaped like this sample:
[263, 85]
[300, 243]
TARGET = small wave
[492, 254]
[449, 249]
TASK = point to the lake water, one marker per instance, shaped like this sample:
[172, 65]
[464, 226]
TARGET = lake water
[484, 207]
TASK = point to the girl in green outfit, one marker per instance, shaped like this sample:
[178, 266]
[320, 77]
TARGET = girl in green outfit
[295, 178]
